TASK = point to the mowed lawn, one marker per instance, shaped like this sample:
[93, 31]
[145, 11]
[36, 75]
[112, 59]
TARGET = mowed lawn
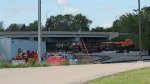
[140, 76]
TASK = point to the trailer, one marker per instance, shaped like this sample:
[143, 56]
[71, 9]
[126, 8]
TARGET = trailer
[9, 47]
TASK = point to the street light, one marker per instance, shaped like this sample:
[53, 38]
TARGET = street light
[140, 36]
[47, 13]
[79, 30]
[39, 30]
[47, 17]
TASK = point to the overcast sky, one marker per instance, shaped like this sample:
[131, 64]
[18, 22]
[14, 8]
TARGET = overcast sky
[101, 12]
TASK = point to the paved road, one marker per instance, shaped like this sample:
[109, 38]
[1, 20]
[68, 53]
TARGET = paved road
[74, 74]
[114, 57]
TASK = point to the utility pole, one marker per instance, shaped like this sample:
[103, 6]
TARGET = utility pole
[140, 34]
[39, 30]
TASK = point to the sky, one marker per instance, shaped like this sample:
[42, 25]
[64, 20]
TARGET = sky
[101, 12]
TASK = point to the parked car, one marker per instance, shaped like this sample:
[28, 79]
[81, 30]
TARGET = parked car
[72, 59]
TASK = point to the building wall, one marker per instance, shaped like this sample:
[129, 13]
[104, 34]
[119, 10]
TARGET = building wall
[9, 47]
[5, 49]
[26, 45]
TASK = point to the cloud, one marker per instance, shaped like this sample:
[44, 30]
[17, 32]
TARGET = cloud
[22, 10]
[71, 10]
[67, 10]
[107, 9]
[107, 25]
[15, 11]
[61, 2]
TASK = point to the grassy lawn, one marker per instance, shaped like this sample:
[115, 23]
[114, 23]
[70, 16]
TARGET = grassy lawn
[131, 77]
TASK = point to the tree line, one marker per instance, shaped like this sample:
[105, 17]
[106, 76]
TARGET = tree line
[67, 22]
[126, 23]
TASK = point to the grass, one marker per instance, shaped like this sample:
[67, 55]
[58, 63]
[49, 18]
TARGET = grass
[4, 64]
[140, 76]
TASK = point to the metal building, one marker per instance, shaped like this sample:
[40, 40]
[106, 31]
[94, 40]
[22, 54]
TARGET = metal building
[9, 47]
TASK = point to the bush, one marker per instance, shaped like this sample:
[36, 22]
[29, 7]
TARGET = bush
[38, 65]
[65, 63]
[4, 64]
[19, 66]
[44, 65]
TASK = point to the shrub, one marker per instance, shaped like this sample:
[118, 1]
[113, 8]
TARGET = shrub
[4, 64]
[19, 66]
[65, 63]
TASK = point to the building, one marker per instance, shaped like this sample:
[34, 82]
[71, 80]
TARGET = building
[60, 39]
[9, 47]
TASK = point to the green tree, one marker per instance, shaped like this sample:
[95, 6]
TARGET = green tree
[98, 29]
[23, 28]
[59, 23]
[81, 22]
[1, 29]
[128, 23]
[1, 26]
[67, 22]
[145, 27]
[33, 26]
[14, 27]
